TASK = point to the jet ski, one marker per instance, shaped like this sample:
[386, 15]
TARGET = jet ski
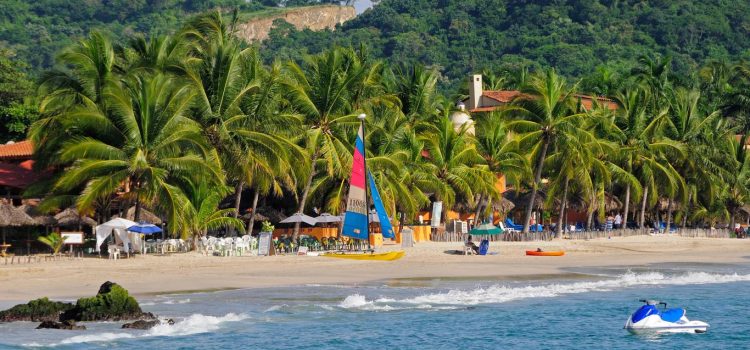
[648, 318]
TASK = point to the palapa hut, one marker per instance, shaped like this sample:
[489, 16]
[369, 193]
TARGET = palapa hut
[503, 206]
[71, 217]
[39, 218]
[146, 216]
[11, 216]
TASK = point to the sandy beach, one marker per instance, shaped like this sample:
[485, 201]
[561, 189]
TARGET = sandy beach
[151, 274]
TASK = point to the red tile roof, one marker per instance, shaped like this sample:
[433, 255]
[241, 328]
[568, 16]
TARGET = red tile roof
[17, 150]
[17, 176]
[507, 96]
[502, 96]
[483, 109]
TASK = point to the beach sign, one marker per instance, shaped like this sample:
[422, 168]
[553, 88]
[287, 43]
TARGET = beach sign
[437, 211]
[72, 237]
[264, 244]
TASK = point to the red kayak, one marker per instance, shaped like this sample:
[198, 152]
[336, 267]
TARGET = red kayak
[551, 253]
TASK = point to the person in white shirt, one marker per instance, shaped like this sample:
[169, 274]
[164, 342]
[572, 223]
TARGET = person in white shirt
[618, 221]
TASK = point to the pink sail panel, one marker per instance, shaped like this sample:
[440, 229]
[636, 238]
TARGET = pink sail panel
[355, 219]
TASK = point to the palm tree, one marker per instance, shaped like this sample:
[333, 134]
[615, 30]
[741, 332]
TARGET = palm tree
[645, 149]
[238, 105]
[145, 142]
[201, 214]
[543, 112]
[702, 168]
[453, 168]
[326, 93]
[92, 66]
[500, 150]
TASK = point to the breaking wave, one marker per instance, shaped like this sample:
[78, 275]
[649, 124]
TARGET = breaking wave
[500, 294]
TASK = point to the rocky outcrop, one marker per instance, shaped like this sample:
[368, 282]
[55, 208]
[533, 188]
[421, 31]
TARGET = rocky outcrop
[35, 311]
[69, 325]
[313, 18]
[111, 303]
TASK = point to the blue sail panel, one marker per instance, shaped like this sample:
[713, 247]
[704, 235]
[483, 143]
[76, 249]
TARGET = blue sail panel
[355, 225]
[385, 224]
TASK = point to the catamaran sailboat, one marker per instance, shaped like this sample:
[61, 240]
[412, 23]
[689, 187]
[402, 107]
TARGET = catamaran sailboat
[356, 219]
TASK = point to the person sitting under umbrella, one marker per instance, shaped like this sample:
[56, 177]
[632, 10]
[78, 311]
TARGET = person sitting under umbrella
[471, 244]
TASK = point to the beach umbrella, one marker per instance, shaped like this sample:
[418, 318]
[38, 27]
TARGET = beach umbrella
[485, 229]
[327, 218]
[299, 217]
[145, 228]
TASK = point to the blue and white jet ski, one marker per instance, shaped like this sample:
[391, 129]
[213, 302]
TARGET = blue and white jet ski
[648, 318]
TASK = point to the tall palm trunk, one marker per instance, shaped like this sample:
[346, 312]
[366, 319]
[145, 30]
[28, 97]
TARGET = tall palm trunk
[563, 204]
[537, 182]
[627, 207]
[669, 215]
[732, 219]
[687, 209]
[305, 192]
[479, 210]
[137, 214]
[237, 198]
[251, 223]
[642, 220]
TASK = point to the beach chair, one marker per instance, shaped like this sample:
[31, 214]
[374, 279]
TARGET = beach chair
[484, 247]
[509, 222]
[114, 252]
[302, 250]
[469, 250]
[506, 229]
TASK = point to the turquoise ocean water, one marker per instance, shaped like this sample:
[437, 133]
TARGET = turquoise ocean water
[585, 309]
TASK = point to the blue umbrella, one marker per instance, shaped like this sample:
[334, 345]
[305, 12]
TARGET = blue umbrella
[144, 228]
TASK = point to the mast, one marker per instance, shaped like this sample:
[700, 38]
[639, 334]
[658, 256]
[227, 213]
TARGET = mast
[361, 118]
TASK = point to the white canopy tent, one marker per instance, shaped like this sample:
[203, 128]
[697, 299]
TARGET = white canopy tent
[117, 225]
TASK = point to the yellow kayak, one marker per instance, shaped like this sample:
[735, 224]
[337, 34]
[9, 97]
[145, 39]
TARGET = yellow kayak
[389, 256]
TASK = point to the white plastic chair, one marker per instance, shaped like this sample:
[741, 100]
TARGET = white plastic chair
[114, 252]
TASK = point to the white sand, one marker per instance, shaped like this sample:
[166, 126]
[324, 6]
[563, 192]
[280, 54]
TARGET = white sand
[70, 279]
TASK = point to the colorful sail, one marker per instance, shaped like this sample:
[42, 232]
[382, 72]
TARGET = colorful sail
[385, 224]
[355, 219]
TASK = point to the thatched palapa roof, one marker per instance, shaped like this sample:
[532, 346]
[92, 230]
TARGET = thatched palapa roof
[258, 217]
[12, 216]
[71, 217]
[39, 218]
[146, 216]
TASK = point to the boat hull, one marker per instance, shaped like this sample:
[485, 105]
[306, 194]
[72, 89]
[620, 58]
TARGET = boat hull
[536, 253]
[389, 256]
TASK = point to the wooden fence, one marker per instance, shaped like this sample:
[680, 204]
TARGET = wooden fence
[548, 235]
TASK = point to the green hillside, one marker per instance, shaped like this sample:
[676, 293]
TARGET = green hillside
[35, 31]
[575, 36]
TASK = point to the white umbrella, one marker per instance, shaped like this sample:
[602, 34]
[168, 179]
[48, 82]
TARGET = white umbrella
[299, 217]
[326, 218]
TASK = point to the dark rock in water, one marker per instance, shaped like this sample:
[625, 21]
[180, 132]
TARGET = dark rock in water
[147, 324]
[141, 324]
[70, 325]
[112, 303]
[38, 310]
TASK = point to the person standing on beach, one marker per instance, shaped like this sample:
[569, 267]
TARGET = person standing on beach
[618, 221]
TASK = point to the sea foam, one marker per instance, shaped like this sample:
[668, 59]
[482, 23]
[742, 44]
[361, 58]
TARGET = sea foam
[501, 293]
[192, 324]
